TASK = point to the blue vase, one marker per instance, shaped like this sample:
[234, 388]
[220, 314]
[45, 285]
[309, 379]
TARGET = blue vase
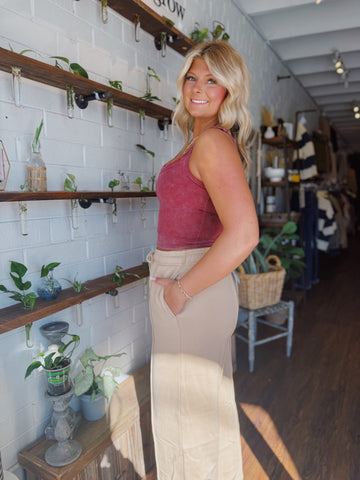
[49, 288]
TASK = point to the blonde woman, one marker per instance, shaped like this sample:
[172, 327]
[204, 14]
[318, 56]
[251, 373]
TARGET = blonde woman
[207, 226]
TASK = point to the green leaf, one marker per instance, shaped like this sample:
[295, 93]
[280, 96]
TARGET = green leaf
[83, 380]
[3, 288]
[225, 37]
[288, 228]
[18, 282]
[48, 361]
[33, 366]
[16, 296]
[113, 183]
[64, 59]
[46, 269]
[145, 189]
[145, 149]
[168, 21]
[217, 32]
[18, 268]
[79, 70]
[89, 356]
[116, 84]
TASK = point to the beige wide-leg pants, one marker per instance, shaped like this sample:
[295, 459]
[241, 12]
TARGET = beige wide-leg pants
[194, 416]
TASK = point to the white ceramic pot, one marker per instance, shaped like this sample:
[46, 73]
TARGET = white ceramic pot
[93, 409]
[274, 174]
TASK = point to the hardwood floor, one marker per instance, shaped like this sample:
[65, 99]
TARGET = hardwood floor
[300, 416]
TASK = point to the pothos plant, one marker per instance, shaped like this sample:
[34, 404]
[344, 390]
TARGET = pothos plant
[77, 70]
[56, 356]
[119, 275]
[151, 73]
[87, 382]
[17, 273]
[200, 35]
[153, 176]
[112, 184]
[76, 284]
[70, 186]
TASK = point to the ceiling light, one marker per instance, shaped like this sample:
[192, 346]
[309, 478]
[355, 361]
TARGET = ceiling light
[318, 2]
[356, 108]
[338, 64]
[340, 70]
[357, 115]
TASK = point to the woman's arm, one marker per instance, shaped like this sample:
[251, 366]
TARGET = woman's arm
[215, 161]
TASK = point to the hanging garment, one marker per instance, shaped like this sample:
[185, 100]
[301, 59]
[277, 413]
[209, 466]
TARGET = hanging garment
[304, 159]
[327, 220]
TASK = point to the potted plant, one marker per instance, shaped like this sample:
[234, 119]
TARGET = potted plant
[56, 362]
[93, 389]
[262, 274]
[49, 288]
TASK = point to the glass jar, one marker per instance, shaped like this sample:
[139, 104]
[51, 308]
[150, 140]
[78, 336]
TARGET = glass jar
[36, 173]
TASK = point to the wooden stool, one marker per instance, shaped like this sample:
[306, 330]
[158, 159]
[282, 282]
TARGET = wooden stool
[281, 309]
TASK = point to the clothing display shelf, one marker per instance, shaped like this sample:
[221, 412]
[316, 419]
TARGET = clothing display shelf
[15, 316]
[152, 23]
[276, 220]
[56, 77]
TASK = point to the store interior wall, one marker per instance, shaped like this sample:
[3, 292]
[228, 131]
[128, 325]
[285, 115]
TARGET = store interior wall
[95, 153]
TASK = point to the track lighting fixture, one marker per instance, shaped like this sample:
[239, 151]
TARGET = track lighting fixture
[340, 67]
[356, 108]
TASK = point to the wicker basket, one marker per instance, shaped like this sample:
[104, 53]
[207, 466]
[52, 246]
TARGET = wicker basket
[261, 289]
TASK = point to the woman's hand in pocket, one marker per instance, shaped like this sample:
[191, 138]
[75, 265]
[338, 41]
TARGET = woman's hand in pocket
[172, 294]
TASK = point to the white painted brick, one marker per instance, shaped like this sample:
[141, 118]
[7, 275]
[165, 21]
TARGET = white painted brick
[57, 18]
[72, 130]
[24, 31]
[100, 247]
[114, 158]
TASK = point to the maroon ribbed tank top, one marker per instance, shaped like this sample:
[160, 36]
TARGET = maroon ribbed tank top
[187, 216]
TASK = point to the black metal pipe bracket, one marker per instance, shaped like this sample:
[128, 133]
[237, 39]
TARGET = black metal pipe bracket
[161, 123]
[82, 101]
[87, 202]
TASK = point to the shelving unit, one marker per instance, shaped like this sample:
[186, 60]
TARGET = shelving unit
[277, 219]
[56, 77]
[151, 22]
[15, 316]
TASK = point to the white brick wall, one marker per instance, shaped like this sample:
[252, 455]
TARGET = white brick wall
[86, 147]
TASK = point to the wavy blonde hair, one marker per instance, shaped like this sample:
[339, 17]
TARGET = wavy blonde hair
[229, 68]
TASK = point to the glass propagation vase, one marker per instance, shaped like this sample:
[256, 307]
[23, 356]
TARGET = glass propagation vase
[49, 287]
[36, 173]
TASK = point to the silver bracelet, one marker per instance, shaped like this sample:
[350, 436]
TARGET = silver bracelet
[182, 290]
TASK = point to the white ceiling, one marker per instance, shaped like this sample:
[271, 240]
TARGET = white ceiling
[304, 35]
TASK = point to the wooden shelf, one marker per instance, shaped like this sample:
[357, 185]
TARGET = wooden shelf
[279, 142]
[267, 183]
[15, 316]
[29, 196]
[56, 77]
[151, 22]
